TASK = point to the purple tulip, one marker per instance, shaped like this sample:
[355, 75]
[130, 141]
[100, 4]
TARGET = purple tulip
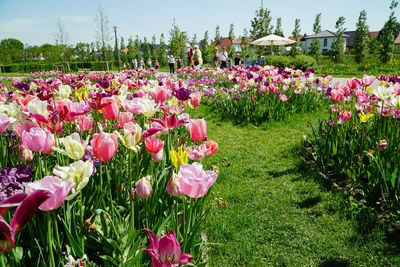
[182, 94]
[57, 188]
[166, 252]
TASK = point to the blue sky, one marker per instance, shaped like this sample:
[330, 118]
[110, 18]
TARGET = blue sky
[33, 21]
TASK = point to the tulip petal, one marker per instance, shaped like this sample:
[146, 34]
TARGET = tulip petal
[11, 202]
[7, 238]
[27, 209]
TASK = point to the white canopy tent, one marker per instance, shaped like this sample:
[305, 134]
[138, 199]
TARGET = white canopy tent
[272, 40]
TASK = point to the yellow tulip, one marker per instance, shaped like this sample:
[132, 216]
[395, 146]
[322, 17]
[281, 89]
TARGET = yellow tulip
[179, 158]
[365, 117]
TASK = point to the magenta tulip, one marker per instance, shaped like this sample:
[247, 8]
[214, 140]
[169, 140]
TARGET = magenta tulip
[194, 181]
[104, 146]
[197, 130]
[4, 122]
[57, 188]
[166, 252]
[10, 202]
[153, 145]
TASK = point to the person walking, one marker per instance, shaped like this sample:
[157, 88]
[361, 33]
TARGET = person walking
[223, 58]
[237, 60]
[171, 63]
[134, 64]
[198, 59]
[157, 64]
[215, 58]
[190, 58]
[141, 64]
[149, 63]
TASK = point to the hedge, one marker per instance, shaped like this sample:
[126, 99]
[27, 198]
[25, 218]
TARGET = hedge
[32, 67]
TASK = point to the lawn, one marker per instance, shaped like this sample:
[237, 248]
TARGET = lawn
[278, 212]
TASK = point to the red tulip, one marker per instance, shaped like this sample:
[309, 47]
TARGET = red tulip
[104, 146]
[211, 147]
[352, 83]
[153, 145]
[111, 109]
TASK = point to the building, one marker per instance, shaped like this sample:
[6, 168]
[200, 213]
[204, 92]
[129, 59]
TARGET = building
[236, 44]
[326, 37]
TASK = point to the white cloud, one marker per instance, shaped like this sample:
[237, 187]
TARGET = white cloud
[74, 18]
[19, 25]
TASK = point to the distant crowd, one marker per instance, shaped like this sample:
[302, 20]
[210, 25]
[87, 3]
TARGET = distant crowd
[220, 59]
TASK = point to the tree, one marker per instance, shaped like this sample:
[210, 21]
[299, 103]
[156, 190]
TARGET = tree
[177, 41]
[194, 40]
[11, 51]
[103, 35]
[130, 46]
[162, 56]
[153, 49]
[315, 47]
[261, 23]
[388, 34]
[231, 32]
[137, 53]
[361, 40]
[206, 48]
[61, 38]
[294, 51]
[146, 50]
[338, 44]
[217, 34]
[81, 50]
[278, 31]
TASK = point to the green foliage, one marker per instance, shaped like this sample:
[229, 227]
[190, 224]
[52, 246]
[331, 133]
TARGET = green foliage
[278, 31]
[146, 50]
[295, 47]
[388, 34]
[261, 24]
[162, 58]
[231, 35]
[302, 62]
[217, 34]
[338, 44]
[315, 48]
[361, 40]
[11, 50]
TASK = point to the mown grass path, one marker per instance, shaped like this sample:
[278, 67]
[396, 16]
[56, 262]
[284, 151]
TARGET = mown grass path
[277, 212]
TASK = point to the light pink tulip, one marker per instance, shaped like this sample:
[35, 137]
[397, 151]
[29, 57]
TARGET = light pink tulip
[195, 99]
[158, 156]
[161, 93]
[125, 117]
[194, 181]
[143, 187]
[57, 188]
[104, 146]
[37, 139]
[352, 83]
[367, 80]
[197, 130]
[4, 122]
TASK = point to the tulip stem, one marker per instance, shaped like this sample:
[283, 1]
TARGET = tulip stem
[49, 240]
[2, 263]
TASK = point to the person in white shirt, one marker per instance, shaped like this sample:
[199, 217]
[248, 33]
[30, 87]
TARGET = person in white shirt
[171, 63]
[223, 58]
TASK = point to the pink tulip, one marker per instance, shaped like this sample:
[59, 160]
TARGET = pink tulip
[4, 122]
[50, 143]
[85, 123]
[161, 93]
[352, 83]
[344, 116]
[104, 146]
[197, 130]
[195, 99]
[194, 181]
[37, 139]
[367, 80]
[25, 126]
[157, 157]
[143, 187]
[125, 117]
[173, 186]
[153, 145]
[111, 110]
[57, 188]
[166, 252]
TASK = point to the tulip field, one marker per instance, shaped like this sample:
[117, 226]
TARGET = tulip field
[117, 169]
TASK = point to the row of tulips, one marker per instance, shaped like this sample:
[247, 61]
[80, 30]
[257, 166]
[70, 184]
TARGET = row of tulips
[361, 137]
[257, 95]
[95, 166]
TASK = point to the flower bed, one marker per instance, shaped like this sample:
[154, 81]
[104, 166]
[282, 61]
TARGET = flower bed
[90, 162]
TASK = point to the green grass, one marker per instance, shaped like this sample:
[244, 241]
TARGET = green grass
[278, 212]
[12, 74]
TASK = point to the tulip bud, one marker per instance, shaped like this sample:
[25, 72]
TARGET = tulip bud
[382, 144]
[158, 156]
[173, 187]
[143, 187]
[24, 154]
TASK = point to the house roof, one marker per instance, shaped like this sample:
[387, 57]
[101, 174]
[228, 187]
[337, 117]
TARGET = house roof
[373, 35]
[226, 42]
[323, 34]
[294, 39]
